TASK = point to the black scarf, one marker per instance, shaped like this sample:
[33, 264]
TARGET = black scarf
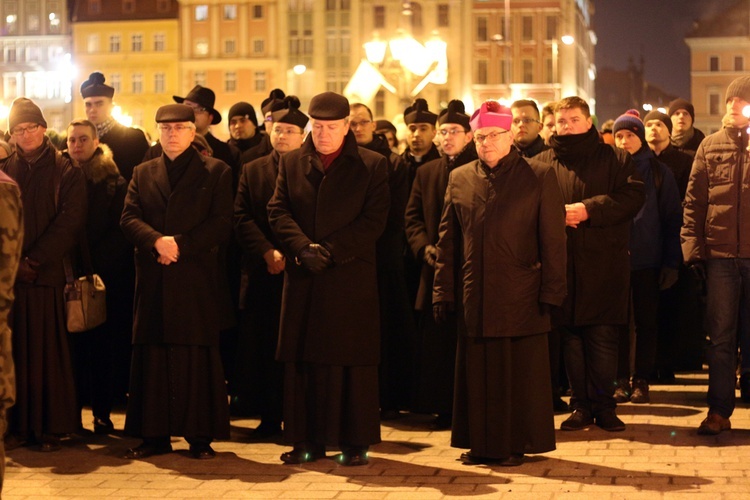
[176, 168]
[569, 147]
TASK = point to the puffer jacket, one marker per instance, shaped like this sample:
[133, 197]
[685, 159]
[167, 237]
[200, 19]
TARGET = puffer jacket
[716, 220]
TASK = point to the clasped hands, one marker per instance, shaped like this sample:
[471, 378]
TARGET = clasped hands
[168, 251]
[315, 258]
[575, 213]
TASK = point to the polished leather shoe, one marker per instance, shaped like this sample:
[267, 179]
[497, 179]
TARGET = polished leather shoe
[49, 443]
[353, 458]
[302, 456]
[202, 451]
[514, 460]
[146, 450]
[577, 420]
[609, 421]
[470, 459]
[103, 426]
[713, 424]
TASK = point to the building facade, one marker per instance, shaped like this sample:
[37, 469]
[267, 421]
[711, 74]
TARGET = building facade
[135, 44]
[35, 47]
[719, 53]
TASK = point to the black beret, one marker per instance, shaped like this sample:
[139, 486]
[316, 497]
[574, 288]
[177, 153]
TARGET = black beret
[291, 113]
[329, 106]
[95, 87]
[171, 113]
[455, 113]
[658, 115]
[679, 104]
[419, 113]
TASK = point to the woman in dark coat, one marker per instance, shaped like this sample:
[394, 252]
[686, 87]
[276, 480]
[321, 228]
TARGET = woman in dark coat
[54, 204]
[509, 218]
[178, 213]
[329, 208]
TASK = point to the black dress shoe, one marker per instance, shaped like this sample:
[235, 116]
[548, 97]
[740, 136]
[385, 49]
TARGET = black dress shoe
[146, 450]
[202, 451]
[559, 406]
[302, 455]
[353, 457]
[514, 460]
[609, 421]
[578, 420]
[103, 425]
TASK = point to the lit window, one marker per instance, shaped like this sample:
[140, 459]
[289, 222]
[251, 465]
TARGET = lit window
[200, 78]
[160, 42]
[115, 81]
[201, 12]
[230, 12]
[137, 83]
[92, 44]
[201, 48]
[159, 83]
[230, 81]
[260, 81]
[114, 43]
[136, 43]
[33, 22]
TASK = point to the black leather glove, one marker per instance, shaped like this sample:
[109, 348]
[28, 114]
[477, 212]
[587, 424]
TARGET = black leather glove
[440, 311]
[27, 271]
[316, 258]
[698, 268]
[430, 255]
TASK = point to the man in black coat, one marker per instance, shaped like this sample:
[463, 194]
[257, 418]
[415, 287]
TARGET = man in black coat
[526, 128]
[396, 320]
[260, 378]
[435, 351]
[329, 208]
[685, 137]
[178, 214]
[243, 127]
[128, 144]
[602, 196]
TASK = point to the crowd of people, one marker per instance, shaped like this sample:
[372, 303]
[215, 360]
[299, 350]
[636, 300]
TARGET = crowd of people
[319, 275]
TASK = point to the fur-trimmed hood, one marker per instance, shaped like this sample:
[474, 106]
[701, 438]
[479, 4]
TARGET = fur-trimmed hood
[101, 166]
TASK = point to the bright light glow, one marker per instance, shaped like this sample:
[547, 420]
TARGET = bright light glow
[365, 83]
[52, 16]
[10, 19]
[567, 39]
[647, 107]
[412, 54]
[437, 49]
[122, 117]
[4, 111]
[375, 50]
[662, 110]
[746, 111]
[299, 69]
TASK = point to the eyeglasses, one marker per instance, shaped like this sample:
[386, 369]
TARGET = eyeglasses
[18, 131]
[451, 132]
[167, 129]
[199, 109]
[492, 136]
[363, 123]
[525, 121]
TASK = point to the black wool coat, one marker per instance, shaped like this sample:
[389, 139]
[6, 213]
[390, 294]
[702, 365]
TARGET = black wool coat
[423, 212]
[603, 178]
[331, 318]
[128, 146]
[179, 303]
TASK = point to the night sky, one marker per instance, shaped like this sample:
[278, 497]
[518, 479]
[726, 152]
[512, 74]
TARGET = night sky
[654, 28]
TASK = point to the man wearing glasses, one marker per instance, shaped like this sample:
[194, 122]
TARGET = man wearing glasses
[502, 241]
[260, 378]
[435, 344]
[128, 144]
[178, 214]
[526, 128]
[54, 205]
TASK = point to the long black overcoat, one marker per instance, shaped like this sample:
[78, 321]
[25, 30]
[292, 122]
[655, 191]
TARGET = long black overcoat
[333, 317]
[179, 303]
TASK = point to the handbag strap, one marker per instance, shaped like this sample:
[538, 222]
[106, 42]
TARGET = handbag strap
[83, 243]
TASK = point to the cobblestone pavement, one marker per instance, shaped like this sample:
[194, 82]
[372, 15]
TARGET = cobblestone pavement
[658, 456]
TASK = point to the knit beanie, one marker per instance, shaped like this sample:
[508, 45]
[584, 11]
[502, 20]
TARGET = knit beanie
[658, 115]
[630, 121]
[740, 87]
[243, 109]
[455, 113]
[419, 112]
[492, 114]
[24, 110]
[679, 104]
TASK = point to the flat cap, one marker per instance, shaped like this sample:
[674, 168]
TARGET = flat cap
[171, 113]
[329, 106]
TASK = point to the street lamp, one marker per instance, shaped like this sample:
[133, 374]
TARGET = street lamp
[403, 60]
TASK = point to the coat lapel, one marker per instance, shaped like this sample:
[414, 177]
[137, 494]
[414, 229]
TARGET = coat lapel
[159, 174]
